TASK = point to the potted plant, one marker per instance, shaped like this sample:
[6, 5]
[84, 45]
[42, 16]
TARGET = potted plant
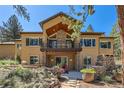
[88, 74]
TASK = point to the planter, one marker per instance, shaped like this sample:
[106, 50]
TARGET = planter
[118, 77]
[88, 77]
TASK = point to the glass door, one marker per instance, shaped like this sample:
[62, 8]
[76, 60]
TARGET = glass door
[61, 61]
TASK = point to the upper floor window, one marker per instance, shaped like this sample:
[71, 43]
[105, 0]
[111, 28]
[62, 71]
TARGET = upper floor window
[33, 41]
[105, 44]
[53, 43]
[88, 42]
[19, 46]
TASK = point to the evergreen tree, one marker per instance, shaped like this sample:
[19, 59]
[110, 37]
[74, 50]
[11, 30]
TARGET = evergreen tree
[117, 48]
[21, 11]
[11, 29]
[90, 28]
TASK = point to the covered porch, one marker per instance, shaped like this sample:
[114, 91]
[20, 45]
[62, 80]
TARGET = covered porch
[58, 58]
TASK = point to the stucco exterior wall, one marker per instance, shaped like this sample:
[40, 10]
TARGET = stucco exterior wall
[93, 52]
[7, 51]
[27, 51]
[107, 51]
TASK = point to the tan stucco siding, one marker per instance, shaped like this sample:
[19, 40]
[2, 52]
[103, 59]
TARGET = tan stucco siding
[27, 51]
[107, 51]
[7, 51]
[93, 52]
[30, 51]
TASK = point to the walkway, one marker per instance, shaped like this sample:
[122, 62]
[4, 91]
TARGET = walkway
[73, 75]
[75, 81]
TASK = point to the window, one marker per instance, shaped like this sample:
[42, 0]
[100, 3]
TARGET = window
[88, 42]
[19, 46]
[87, 61]
[61, 60]
[105, 44]
[32, 41]
[69, 44]
[53, 43]
[81, 42]
[34, 59]
[93, 42]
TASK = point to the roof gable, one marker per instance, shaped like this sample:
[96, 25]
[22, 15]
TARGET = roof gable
[60, 14]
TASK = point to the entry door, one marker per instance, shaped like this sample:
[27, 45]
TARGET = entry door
[61, 60]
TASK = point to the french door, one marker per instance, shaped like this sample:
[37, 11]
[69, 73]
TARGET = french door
[62, 60]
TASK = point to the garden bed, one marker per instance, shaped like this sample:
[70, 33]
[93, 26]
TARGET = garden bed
[20, 77]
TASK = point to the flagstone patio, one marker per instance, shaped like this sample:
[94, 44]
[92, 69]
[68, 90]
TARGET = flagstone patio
[73, 75]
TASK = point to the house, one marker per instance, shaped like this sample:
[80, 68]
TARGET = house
[54, 46]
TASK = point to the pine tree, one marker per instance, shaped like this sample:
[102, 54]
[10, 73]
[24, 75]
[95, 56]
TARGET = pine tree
[11, 29]
[117, 47]
[22, 11]
[90, 28]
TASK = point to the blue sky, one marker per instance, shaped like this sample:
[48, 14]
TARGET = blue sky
[102, 20]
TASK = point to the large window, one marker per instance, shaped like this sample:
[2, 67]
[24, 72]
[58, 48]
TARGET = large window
[105, 44]
[32, 41]
[34, 59]
[88, 42]
[53, 43]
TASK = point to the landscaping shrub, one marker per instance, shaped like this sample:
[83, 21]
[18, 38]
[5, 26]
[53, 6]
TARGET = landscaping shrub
[107, 79]
[23, 73]
[8, 62]
[18, 59]
[29, 78]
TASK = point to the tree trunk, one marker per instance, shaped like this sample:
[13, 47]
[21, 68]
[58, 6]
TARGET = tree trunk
[122, 55]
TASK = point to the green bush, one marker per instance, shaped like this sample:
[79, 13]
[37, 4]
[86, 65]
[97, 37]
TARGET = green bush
[107, 79]
[8, 62]
[90, 70]
[23, 73]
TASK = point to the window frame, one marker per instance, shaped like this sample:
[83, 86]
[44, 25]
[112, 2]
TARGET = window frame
[108, 42]
[30, 41]
[82, 43]
[87, 59]
[34, 56]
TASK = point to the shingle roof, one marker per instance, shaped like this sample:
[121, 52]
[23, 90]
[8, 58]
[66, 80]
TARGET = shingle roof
[92, 33]
[31, 32]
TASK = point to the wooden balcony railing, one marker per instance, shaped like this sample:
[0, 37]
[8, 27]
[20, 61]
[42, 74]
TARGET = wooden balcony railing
[61, 47]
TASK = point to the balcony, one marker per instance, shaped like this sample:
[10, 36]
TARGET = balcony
[61, 47]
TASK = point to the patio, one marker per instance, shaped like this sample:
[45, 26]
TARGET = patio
[73, 75]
